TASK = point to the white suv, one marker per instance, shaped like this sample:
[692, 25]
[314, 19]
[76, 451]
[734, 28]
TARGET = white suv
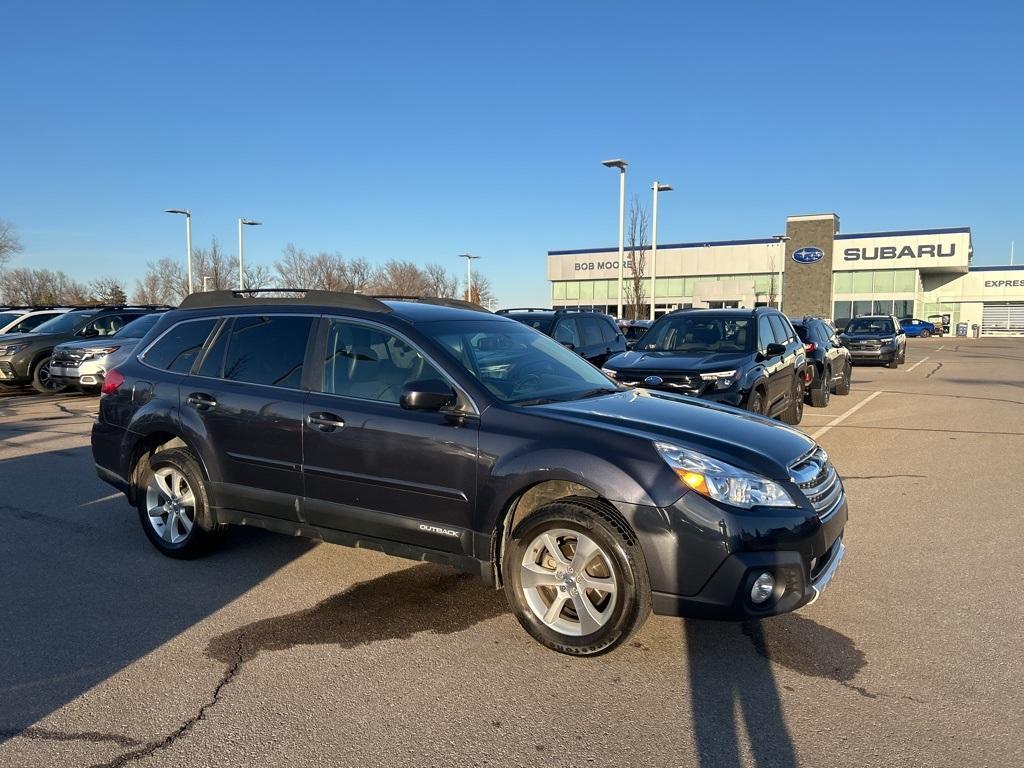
[25, 319]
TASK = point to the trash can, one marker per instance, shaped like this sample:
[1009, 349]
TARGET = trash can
[977, 330]
[961, 329]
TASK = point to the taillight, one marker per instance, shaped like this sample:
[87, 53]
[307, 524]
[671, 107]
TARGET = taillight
[810, 346]
[112, 381]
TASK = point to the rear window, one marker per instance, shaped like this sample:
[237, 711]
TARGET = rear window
[177, 349]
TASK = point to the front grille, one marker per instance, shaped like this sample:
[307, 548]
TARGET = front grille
[67, 357]
[872, 344]
[819, 482]
[683, 382]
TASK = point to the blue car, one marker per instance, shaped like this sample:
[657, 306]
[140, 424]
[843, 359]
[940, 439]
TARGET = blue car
[915, 328]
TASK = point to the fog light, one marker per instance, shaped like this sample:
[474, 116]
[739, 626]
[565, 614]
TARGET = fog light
[763, 587]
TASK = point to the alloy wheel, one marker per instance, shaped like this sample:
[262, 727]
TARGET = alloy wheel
[171, 505]
[45, 380]
[568, 581]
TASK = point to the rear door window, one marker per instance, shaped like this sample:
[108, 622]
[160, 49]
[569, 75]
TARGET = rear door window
[267, 349]
[591, 330]
[177, 349]
[566, 332]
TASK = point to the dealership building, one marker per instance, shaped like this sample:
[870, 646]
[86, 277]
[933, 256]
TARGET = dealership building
[814, 270]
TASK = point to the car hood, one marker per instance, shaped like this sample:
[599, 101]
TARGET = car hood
[641, 360]
[98, 341]
[739, 438]
[861, 336]
[13, 338]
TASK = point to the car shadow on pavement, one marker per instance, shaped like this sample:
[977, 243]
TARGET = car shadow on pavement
[84, 594]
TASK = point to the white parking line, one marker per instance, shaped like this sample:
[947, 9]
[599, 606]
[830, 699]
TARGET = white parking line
[908, 370]
[941, 347]
[843, 416]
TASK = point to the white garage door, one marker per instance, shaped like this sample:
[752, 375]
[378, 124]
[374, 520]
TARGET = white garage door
[1004, 317]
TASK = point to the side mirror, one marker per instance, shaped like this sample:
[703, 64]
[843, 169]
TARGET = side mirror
[775, 350]
[427, 395]
[90, 332]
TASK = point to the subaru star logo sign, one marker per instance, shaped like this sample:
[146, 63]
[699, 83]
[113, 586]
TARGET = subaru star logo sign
[653, 381]
[808, 255]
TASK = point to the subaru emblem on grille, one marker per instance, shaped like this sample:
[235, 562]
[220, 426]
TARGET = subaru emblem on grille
[653, 381]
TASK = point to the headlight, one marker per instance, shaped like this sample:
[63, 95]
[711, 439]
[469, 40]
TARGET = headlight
[722, 379]
[610, 373]
[890, 340]
[723, 482]
[99, 352]
[13, 349]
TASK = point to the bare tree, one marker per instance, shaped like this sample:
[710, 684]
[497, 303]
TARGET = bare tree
[363, 276]
[258, 276]
[482, 293]
[773, 274]
[165, 282]
[439, 282]
[9, 242]
[295, 268]
[213, 269]
[634, 288]
[402, 278]
[107, 290]
[41, 286]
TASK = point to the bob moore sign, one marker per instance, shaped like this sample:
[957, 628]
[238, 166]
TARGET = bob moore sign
[592, 266]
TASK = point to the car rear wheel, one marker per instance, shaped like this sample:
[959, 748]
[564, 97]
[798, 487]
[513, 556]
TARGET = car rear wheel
[843, 384]
[795, 413]
[820, 394]
[576, 578]
[42, 381]
[925, 333]
[173, 506]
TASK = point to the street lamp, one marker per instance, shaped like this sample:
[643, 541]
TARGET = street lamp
[188, 240]
[469, 274]
[241, 262]
[781, 240]
[621, 165]
[656, 188]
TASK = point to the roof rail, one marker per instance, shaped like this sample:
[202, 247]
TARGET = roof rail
[524, 309]
[253, 297]
[441, 302]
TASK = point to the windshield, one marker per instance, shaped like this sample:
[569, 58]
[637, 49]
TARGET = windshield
[517, 364]
[6, 318]
[65, 323]
[699, 334]
[870, 325]
[136, 329]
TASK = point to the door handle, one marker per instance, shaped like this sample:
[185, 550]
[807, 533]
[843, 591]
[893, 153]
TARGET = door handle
[325, 422]
[201, 401]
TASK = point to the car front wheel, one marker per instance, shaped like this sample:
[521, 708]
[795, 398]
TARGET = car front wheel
[795, 413]
[42, 381]
[576, 578]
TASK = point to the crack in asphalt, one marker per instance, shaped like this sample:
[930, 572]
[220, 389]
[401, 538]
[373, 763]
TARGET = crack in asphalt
[936, 370]
[155, 746]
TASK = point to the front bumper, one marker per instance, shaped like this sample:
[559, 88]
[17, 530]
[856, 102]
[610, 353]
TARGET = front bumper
[882, 354]
[87, 374]
[15, 369]
[705, 562]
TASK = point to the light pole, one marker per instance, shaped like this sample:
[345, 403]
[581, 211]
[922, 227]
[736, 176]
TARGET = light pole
[781, 240]
[621, 165]
[241, 261]
[188, 240]
[469, 274]
[206, 279]
[656, 188]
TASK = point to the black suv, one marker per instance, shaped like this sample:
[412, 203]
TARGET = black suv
[591, 335]
[25, 357]
[828, 361]
[442, 432]
[747, 358]
[876, 339]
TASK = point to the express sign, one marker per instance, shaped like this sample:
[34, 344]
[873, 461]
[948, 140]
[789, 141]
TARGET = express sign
[1004, 283]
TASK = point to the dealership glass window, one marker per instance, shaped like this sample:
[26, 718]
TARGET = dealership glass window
[861, 308]
[762, 283]
[883, 281]
[903, 308]
[842, 282]
[862, 282]
[572, 290]
[661, 287]
[613, 288]
[675, 286]
[905, 281]
[600, 289]
[558, 291]
[883, 307]
[841, 311]
[587, 290]
[688, 283]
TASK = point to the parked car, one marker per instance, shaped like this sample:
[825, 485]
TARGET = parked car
[914, 328]
[875, 339]
[634, 330]
[827, 359]
[439, 431]
[592, 335]
[83, 363]
[747, 358]
[25, 357]
[26, 319]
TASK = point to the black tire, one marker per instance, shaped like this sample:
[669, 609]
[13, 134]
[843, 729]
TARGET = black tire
[843, 383]
[620, 556]
[203, 534]
[41, 381]
[925, 333]
[895, 362]
[755, 401]
[794, 414]
[903, 355]
[820, 394]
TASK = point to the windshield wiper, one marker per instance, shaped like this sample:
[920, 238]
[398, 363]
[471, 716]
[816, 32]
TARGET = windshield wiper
[534, 401]
[594, 393]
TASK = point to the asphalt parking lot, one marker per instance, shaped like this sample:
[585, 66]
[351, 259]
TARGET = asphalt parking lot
[279, 651]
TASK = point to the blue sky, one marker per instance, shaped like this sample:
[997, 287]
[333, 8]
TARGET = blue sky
[425, 130]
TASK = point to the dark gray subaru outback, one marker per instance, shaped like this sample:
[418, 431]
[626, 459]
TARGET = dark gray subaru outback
[435, 430]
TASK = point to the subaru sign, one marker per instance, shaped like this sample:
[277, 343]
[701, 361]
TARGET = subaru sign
[808, 255]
